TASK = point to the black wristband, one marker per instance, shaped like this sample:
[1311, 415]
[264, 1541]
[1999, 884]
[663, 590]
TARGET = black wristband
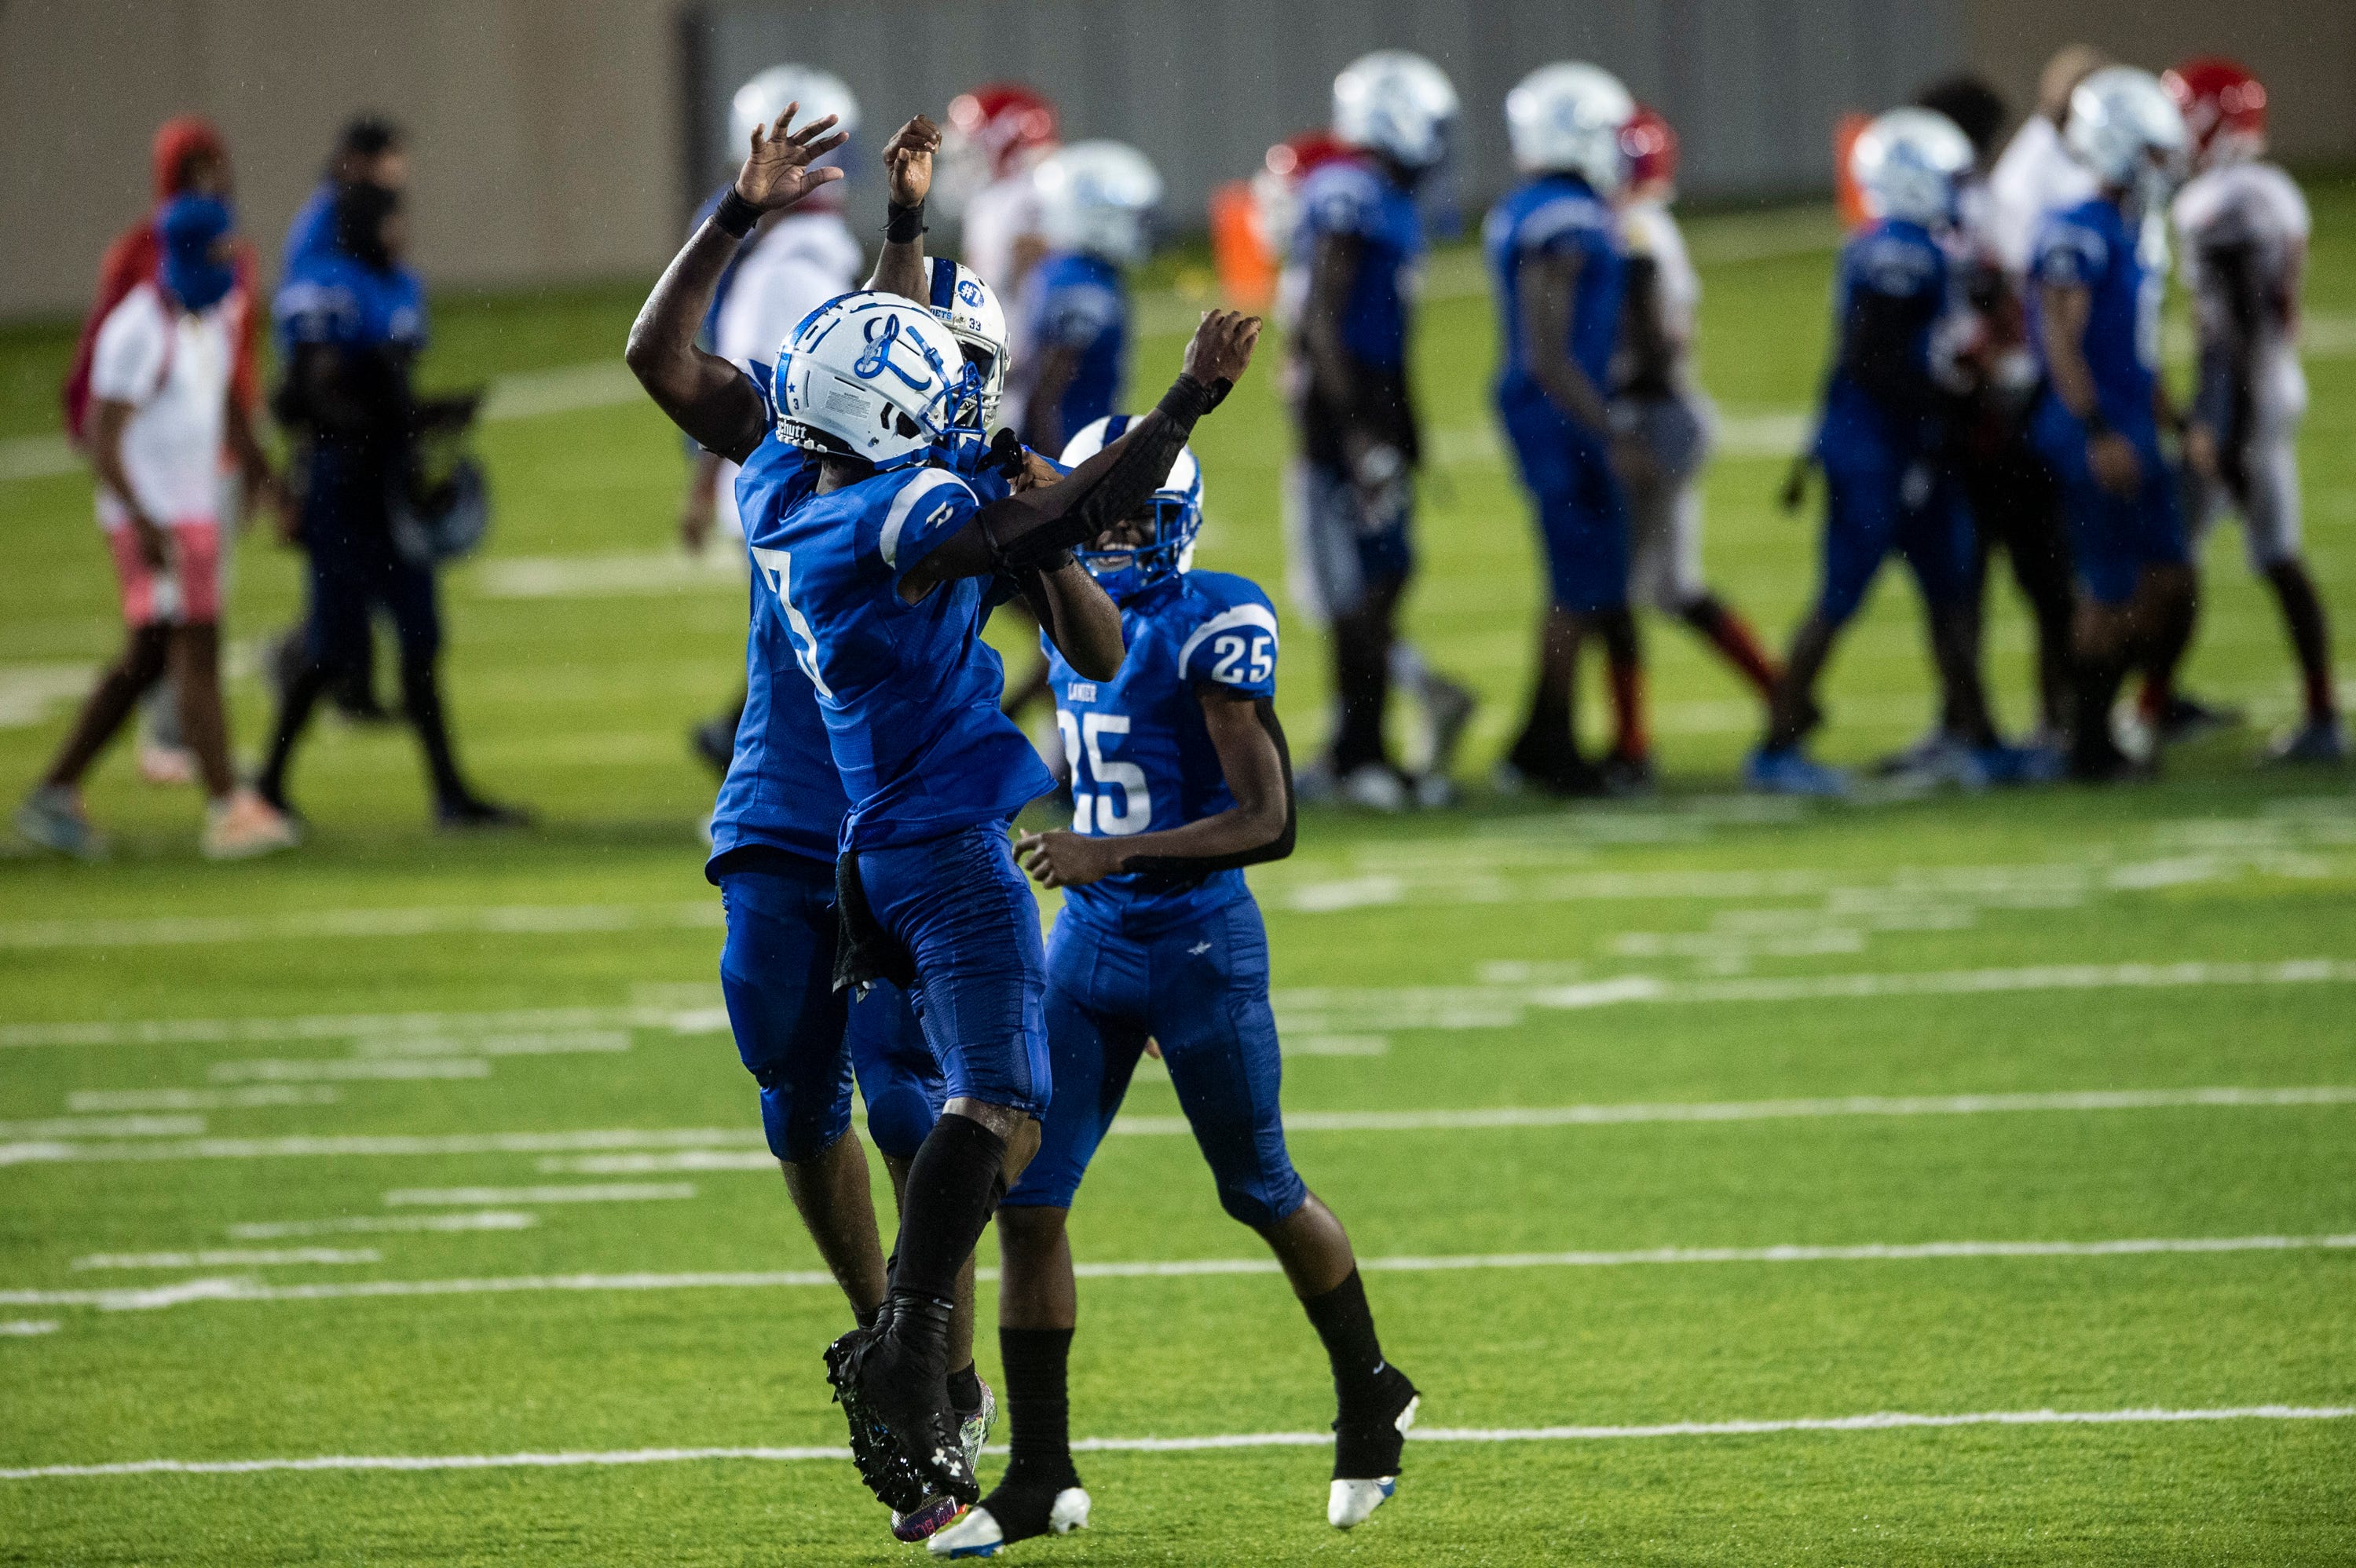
[905, 225]
[1189, 399]
[735, 215]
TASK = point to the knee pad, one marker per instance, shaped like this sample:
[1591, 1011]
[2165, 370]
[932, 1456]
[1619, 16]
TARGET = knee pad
[897, 1120]
[802, 1127]
[1265, 1202]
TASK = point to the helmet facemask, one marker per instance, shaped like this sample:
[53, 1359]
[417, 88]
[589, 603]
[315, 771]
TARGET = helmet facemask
[1146, 547]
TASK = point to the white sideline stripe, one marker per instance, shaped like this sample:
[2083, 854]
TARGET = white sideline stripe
[566, 1042]
[26, 1329]
[509, 920]
[376, 1027]
[371, 1145]
[590, 1192]
[1878, 1421]
[481, 1220]
[339, 1070]
[181, 1293]
[232, 1257]
[201, 1099]
[105, 1128]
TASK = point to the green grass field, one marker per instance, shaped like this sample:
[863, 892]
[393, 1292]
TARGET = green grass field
[1624, 1059]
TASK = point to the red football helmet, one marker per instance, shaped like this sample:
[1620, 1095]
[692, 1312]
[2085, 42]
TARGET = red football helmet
[1006, 121]
[2224, 106]
[1291, 159]
[1651, 144]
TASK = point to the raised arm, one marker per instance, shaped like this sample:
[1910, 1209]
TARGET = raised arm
[1257, 766]
[704, 395]
[908, 176]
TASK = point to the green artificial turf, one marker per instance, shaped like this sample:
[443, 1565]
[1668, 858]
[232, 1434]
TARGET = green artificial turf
[1700, 949]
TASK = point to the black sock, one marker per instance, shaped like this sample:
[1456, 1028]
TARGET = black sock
[1343, 1321]
[1039, 1409]
[965, 1390]
[953, 1184]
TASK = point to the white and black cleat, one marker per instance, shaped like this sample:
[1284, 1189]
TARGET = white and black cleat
[1366, 1453]
[938, 1510]
[979, 1533]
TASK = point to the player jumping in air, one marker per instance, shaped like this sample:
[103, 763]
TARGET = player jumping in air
[2094, 303]
[1180, 779]
[1880, 440]
[2242, 226]
[875, 581]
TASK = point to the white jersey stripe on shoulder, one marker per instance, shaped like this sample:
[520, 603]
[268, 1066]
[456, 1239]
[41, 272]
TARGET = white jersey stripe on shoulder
[927, 480]
[1259, 615]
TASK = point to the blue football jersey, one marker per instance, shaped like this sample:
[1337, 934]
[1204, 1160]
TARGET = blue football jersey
[1076, 301]
[1350, 198]
[1552, 215]
[1901, 261]
[1141, 756]
[909, 692]
[2091, 246]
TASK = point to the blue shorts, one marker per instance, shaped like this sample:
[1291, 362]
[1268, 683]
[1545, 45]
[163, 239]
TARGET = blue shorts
[803, 1040]
[1869, 512]
[1201, 991]
[964, 911]
[1582, 510]
[2113, 538]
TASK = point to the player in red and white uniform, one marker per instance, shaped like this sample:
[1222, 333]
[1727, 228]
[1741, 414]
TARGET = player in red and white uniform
[2242, 226]
[163, 408]
[996, 135]
[1663, 416]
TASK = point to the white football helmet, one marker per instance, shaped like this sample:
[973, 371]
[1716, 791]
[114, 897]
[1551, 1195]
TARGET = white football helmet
[873, 375]
[1397, 103]
[969, 309]
[1907, 164]
[760, 102]
[1177, 505]
[1094, 197]
[2128, 133]
[1567, 118]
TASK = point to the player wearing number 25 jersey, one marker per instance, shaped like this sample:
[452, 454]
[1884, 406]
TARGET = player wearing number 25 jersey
[1179, 780]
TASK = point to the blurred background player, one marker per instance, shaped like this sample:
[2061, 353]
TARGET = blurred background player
[352, 316]
[164, 408]
[2015, 500]
[995, 136]
[796, 259]
[1558, 267]
[2241, 227]
[370, 150]
[1180, 779]
[2036, 174]
[1879, 439]
[186, 154]
[1665, 416]
[1350, 495]
[2095, 305]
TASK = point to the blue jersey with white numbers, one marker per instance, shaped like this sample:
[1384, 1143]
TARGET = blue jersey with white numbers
[1901, 262]
[909, 692]
[1554, 215]
[1142, 755]
[1075, 302]
[2092, 245]
[1357, 199]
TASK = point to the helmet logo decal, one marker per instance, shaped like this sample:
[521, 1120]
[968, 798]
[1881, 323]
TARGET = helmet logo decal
[969, 292]
[881, 332]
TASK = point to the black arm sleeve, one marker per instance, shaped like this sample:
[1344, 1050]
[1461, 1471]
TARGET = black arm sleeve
[2225, 399]
[1175, 870]
[1878, 350]
[1034, 531]
[1650, 362]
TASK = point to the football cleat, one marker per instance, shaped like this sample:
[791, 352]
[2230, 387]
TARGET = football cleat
[890, 1380]
[2186, 719]
[974, 1432]
[1376, 787]
[882, 1465]
[1789, 771]
[1624, 775]
[1448, 710]
[2008, 767]
[980, 1533]
[1366, 1453]
[52, 817]
[2317, 743]
[1351, 1503]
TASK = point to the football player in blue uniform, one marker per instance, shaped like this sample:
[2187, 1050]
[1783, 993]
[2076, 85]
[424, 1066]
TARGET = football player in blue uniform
[1180, 779]
[1094, 198]
[1879, 437]
[1558, 266]
[2094, 306]
[1350, 501]
[874, 583]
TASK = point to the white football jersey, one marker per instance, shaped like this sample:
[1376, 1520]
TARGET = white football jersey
[999, 214]
[2257, 205]
[2034, 175]
[796, 264]
[1648, 230]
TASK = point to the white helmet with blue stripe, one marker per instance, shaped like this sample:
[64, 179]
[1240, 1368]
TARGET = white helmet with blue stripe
[969, 309]
[1907, 163]
[875, 376]
[1397, 103]
[2128, 133]
[1095, 196]
[1177, 505]
[1567, 119]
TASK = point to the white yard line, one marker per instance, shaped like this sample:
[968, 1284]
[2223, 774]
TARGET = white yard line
[587, 1192]
[478, 1220]
[505, 919]
[566, 1042]
[1877, 1421]
[342, 1070]
[232, 1257]
[27, 1328]
[202, 1099]
[379, 1028]
[377, 1144]
[182, 1292]
[105, 1128]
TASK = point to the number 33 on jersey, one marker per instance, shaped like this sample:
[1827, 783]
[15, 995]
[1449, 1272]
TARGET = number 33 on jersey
[1141, 757]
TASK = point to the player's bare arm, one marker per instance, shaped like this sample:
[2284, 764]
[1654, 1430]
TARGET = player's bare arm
[1549, 285]
[108, 421]
[2063, 309]
[704, 395]
[1256, 763]
[908, 180]
[1044, 409]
